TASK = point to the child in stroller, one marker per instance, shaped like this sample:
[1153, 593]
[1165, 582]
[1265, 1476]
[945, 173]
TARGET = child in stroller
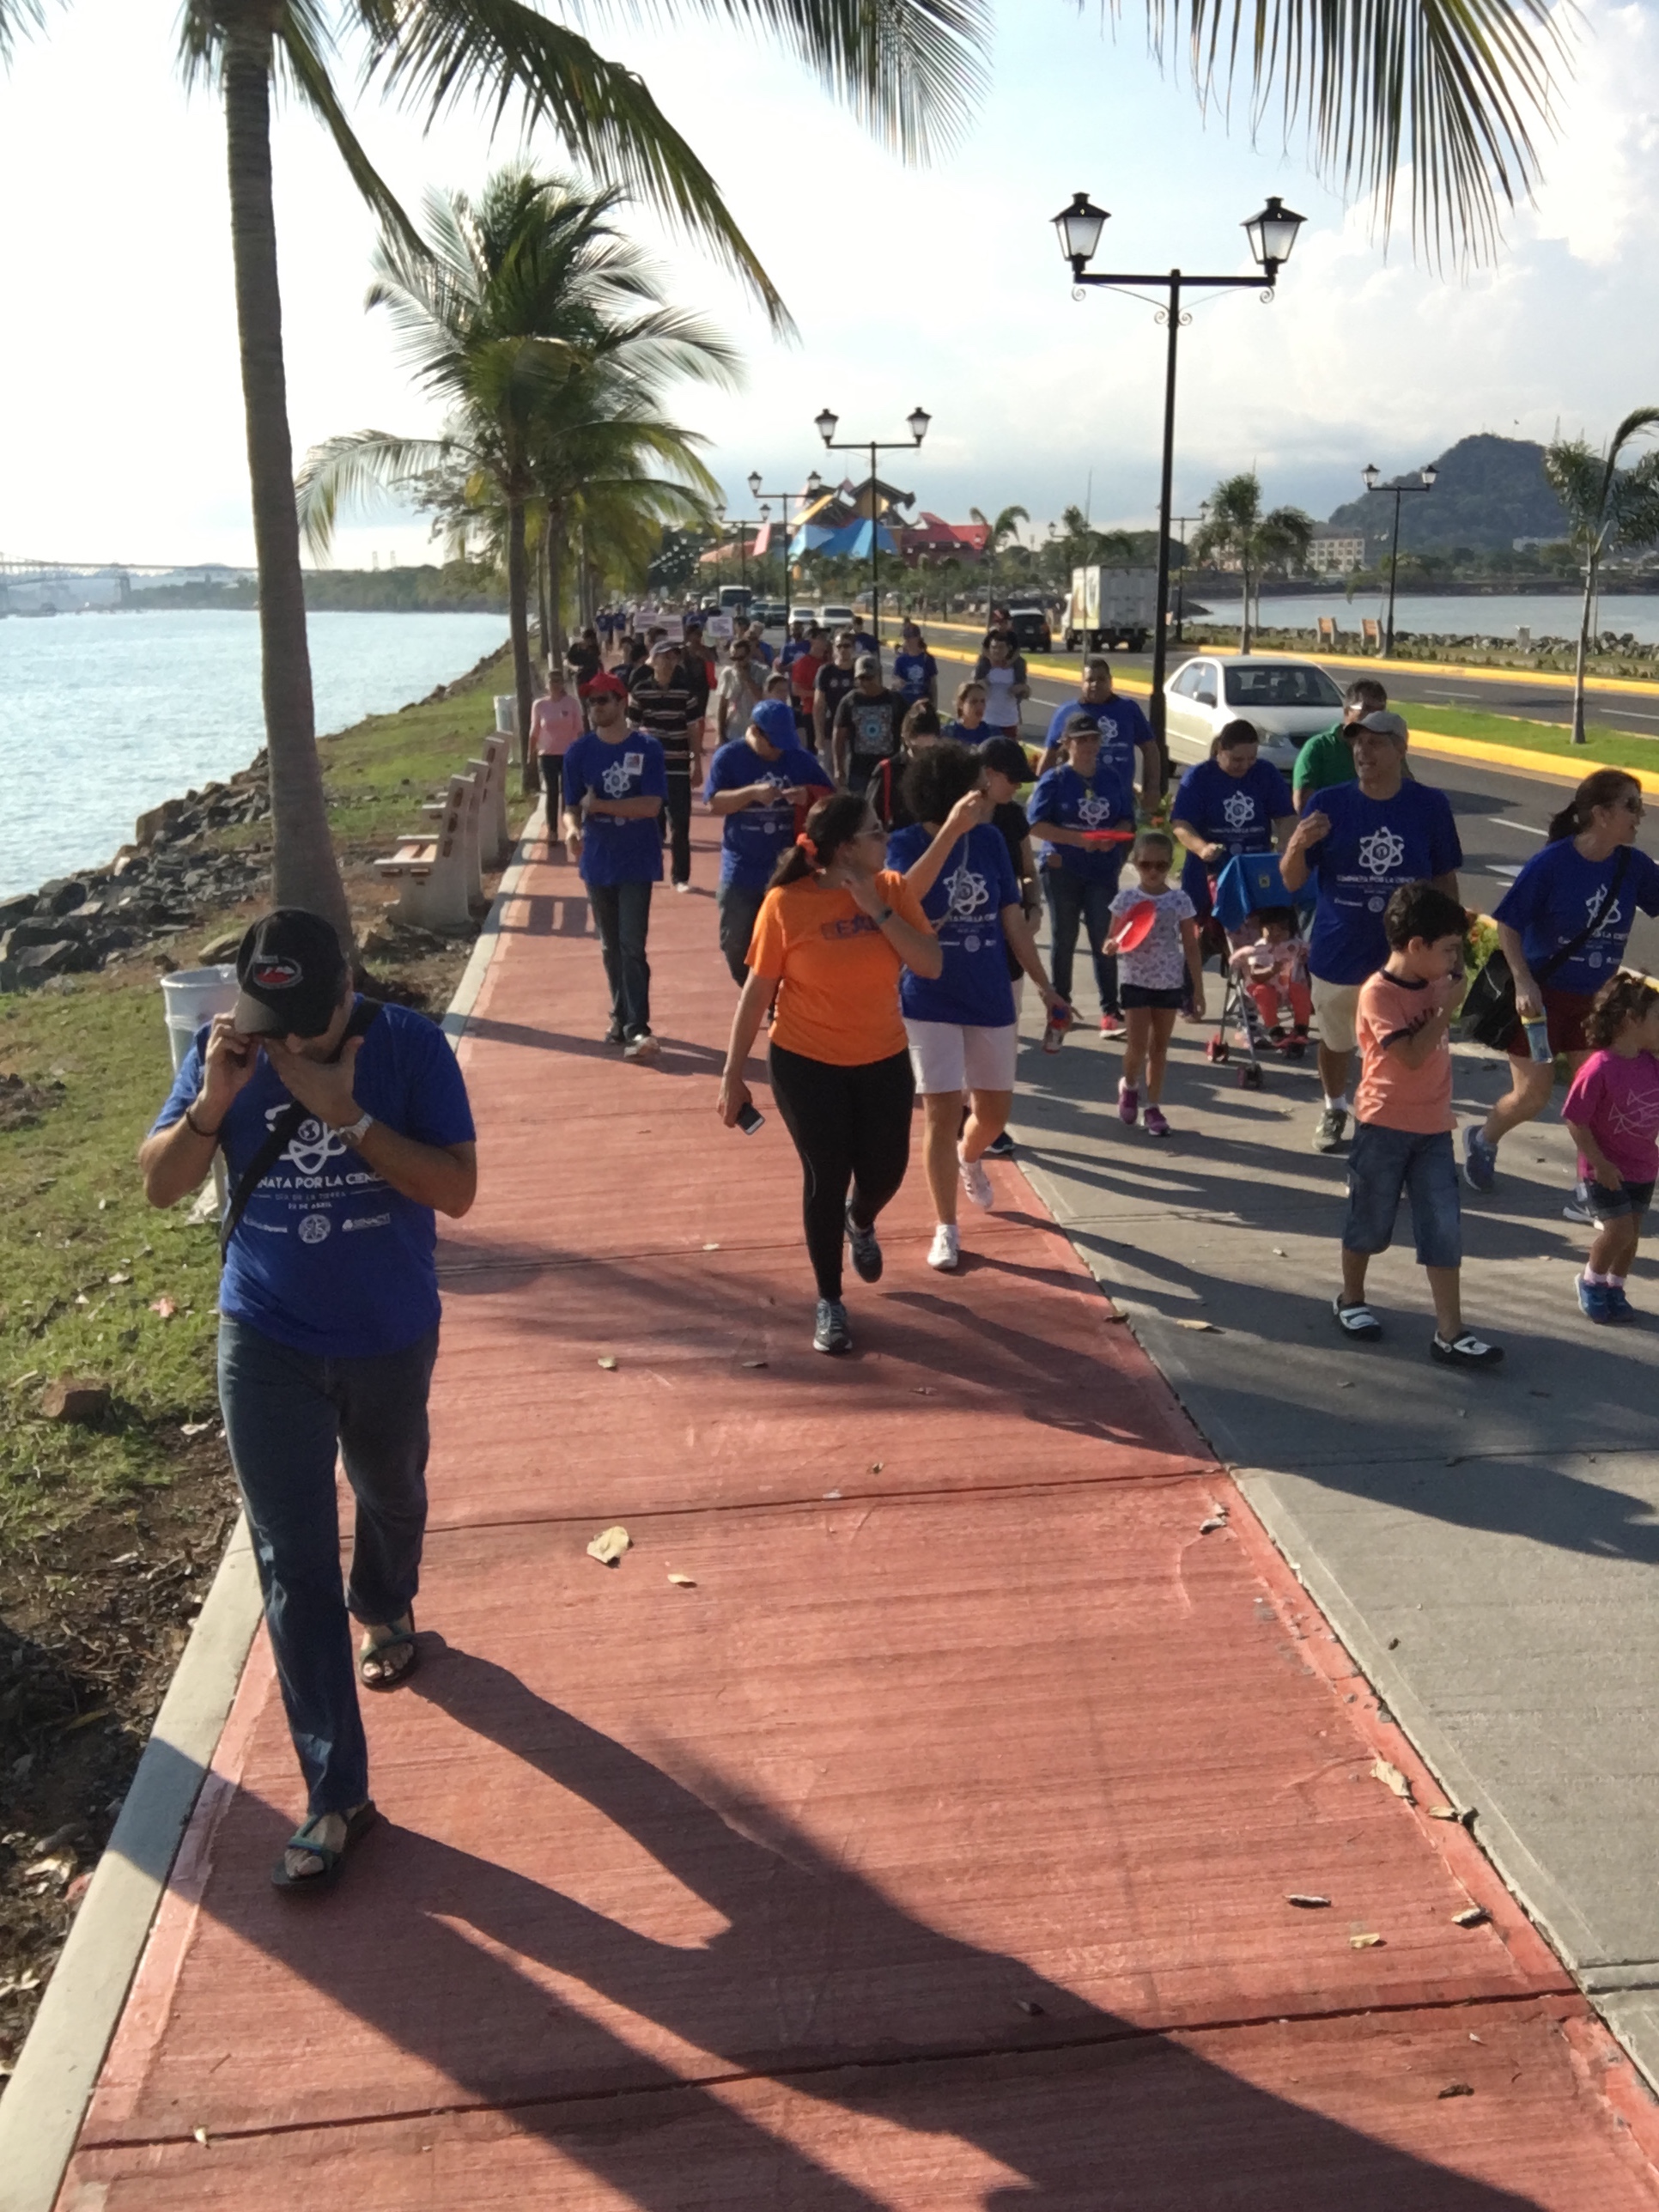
[1263, 968]
[1272, 964]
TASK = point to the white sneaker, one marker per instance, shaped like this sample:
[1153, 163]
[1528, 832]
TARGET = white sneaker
[947, 1248]
[975, 1181]
[642, 1046]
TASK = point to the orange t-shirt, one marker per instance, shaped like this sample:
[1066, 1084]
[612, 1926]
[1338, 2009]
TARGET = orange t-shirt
[1416, 1099]
[838, 998]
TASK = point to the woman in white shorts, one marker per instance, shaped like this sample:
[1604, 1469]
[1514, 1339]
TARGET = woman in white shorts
[963, 1036]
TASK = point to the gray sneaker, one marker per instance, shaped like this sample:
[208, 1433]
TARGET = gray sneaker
[1327, 1134]
[1480, 1160]
[830, 1332]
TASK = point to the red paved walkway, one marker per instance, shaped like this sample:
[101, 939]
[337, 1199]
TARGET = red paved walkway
[930, 1852]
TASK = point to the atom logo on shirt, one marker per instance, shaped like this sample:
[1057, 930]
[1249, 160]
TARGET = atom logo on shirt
[1382, 853]
[1238, 810]
[966, 893]
[616, 780]
[1092, 811]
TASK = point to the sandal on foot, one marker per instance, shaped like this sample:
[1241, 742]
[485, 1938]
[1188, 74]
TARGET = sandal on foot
[359, 1824]
[378, 1651]
[1357, 1322]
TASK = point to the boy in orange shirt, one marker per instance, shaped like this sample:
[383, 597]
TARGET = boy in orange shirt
[1404, 1122]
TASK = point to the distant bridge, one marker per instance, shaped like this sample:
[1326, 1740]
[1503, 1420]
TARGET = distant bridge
[29, 585]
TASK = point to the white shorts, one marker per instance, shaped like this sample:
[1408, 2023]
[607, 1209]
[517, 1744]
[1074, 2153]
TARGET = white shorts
[947, 1056]
[1336, 1009]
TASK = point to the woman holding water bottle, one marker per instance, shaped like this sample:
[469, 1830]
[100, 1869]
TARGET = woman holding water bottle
[1563, 924]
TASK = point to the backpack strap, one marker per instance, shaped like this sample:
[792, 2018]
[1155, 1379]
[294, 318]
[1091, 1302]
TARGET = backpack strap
[1559, 958]
[282, 1134]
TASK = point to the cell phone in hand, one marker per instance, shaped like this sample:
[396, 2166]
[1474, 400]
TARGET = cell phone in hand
[748, 1118]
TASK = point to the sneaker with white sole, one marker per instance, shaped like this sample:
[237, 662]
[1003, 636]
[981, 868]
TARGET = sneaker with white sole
[975, 1181]
[1328, 1130]
[1480, 1159]
[947, 1248]
[1000, 1148]
[1128, 1103]
[642, 1046]
[864, 1249]
[829, 1331]
[1465, 1350]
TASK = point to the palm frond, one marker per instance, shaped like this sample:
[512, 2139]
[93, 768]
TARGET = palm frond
[1451, 91]
[350, 465]
[17, 19]
[301, 45]
[431, 52]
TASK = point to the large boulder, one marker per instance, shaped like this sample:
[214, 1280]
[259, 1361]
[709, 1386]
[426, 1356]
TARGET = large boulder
[61, 896]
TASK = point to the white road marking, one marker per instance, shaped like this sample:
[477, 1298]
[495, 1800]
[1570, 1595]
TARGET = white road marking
[1503, 823]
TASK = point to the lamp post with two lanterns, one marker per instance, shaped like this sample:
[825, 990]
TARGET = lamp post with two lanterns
[1373, 476]
[917, 421]
[1271, 234]
[814, 486]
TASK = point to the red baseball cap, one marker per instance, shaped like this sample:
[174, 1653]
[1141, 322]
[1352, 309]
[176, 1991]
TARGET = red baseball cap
[597, 686]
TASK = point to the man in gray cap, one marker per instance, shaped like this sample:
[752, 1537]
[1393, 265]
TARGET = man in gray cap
[867, 725]
[1359, 842]
[345, 1129]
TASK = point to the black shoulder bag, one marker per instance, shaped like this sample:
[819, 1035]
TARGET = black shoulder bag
[284, 1130]
[1489, 1013]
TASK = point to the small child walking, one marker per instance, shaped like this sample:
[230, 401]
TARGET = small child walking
[1404, 1122]
[1613, 1111]
[1150, 974]
[1272, 967]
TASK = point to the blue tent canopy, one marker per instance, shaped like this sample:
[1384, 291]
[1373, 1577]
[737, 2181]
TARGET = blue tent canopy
[851, 541]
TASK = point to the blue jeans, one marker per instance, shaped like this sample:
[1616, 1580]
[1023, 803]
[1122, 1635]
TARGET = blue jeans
[1074, 901]
[286, 1413]
[622, 914]
[740, 906]
[1386, 1162]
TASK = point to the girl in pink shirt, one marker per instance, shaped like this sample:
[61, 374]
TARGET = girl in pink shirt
[1612, 1110]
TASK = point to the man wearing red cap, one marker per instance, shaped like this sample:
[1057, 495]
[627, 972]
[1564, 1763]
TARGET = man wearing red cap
[616, 781]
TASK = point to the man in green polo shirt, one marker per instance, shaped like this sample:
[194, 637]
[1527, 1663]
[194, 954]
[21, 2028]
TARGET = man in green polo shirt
[1326, 758]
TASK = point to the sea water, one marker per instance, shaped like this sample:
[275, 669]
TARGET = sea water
[1545, 614]
[104, 715]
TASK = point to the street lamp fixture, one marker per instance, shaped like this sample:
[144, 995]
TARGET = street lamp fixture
[756, 488]
[1273, 235]
[1372, 477]
[826, 423]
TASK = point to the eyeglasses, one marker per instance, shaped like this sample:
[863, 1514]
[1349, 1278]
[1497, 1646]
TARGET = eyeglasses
[1633, 803]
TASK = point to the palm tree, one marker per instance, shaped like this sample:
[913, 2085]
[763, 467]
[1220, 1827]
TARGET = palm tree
[1236, 529]
[543, 331]
[1607, 507]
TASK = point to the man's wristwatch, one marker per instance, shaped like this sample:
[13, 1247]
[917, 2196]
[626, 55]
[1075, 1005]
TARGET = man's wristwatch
[354, 1131]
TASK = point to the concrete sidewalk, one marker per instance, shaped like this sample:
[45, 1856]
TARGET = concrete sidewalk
[912, 1819]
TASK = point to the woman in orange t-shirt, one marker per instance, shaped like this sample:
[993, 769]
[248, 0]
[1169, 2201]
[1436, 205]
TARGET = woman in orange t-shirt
[834, 931]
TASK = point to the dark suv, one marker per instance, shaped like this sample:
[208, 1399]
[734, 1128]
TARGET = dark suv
[1030, 624]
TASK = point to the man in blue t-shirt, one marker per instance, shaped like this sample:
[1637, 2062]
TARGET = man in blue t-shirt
[756, 783]
[345, 1128]
[1360, 842]
[1126, 735]
[616, 782]
[1069, 807]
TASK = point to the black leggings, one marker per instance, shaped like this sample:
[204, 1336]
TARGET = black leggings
[852, 1128]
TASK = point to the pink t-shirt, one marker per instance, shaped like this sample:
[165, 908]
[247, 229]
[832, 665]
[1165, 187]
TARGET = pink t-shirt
[1394, 1096]
[556, 724]
[1616, 1098]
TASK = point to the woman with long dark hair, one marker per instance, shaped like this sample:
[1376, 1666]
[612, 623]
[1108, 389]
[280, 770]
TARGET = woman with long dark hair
[1564, 924]
[834, 930]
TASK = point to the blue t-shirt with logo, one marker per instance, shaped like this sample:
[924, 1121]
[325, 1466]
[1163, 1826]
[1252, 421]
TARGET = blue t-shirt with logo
[755, 836]
[329, 1259]
[965, 907]
[1236, 812]
[912, 675]
[1372, 847]
[1123, 730]
[791, 651]
[1559, 891]
[616, 852]
[1102, 803]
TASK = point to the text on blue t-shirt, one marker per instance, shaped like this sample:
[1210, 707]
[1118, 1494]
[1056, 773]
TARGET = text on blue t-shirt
[965, 907]
[1373, 846]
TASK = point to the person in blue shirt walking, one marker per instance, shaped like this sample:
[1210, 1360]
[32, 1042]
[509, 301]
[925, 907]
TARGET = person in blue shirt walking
[1126, 735]
[346, 1130]
[1071, 805]
[915, 671]
[1233, 802]
[756, 783]
[616, 783]
[961, 1024]
[1590, 872]
[1360, 843]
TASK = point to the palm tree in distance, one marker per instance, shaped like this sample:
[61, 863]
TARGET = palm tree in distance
[542, 332]
[1607, 507]
[1236, 529]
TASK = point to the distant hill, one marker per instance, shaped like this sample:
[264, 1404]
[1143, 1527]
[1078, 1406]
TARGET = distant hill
[1489, 492]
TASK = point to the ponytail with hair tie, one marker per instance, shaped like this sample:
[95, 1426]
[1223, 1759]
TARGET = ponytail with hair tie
[808, 846]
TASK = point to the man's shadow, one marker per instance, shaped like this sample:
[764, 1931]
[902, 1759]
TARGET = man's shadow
[816, 1981]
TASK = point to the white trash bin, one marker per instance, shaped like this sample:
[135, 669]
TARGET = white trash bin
[192, 996]
[506, 713]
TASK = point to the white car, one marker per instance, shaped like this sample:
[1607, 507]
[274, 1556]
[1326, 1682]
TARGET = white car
[1286, 699]
[835, 618]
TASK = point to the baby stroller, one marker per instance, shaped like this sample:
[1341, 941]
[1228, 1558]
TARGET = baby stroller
[1249, 884]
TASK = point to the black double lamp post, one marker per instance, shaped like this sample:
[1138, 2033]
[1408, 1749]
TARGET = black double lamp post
[917, 422]
[814, 486]
[1273, 235]
[1373, 476]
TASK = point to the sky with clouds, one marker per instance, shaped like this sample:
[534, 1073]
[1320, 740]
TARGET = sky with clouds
[119, 389]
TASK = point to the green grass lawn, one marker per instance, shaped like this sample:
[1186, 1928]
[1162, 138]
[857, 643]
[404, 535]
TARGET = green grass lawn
[75, 1214]
[1616, 748]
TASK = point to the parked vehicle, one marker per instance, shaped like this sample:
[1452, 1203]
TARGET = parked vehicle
[838, 618]
[1286, 699]
[735, 599]
[1111, 607]
[1029, 621]
[768, 612]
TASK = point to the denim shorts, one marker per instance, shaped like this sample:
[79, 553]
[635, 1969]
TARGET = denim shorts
[1385, 1163]
[1629, 1202]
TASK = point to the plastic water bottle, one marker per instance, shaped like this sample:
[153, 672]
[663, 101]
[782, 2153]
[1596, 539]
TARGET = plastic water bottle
[1538, 1040]
[1054, 1032]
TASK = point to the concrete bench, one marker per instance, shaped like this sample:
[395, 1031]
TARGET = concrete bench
[431, 872]
[469, 830]
[1371, 632]
[495, 839]
[1327, 630]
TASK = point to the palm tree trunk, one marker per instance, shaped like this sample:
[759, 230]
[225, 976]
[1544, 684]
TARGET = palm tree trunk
[556, 576]
[544, 616]
[518, 619]
[1579, 736]
[304, 870]
[1244, 626]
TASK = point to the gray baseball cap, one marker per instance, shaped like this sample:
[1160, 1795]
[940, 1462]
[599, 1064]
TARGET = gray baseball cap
[866, 665]
[1385, 724]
